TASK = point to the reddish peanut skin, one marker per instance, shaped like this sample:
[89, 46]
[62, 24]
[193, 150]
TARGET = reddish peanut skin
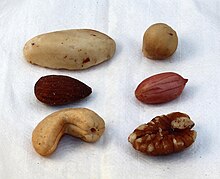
[160, 88]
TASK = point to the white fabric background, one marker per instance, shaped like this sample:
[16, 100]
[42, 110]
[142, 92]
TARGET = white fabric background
[113, 83]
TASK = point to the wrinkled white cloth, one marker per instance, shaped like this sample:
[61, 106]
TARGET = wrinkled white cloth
[113, 83]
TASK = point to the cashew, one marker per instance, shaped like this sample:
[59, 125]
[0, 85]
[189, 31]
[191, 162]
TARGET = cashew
[78, 122]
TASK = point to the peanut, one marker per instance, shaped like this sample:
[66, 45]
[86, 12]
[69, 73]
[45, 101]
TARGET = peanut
[160, 88]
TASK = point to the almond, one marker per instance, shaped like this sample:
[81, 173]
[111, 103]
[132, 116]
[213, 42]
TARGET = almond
[59, 90]
[160, 88]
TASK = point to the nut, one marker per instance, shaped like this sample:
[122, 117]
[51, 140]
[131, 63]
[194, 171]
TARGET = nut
[59, 90]
[78, 122]
[73, 49]
[164, 134]
[159, 42]
[160, 88]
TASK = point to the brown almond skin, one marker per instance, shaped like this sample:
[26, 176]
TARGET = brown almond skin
[59, 90]
[160, 88]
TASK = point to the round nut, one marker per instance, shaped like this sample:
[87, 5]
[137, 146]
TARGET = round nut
[159, 42]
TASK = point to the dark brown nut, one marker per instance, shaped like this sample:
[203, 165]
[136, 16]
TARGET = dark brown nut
[160, 88]
[159, 42]
[59, 90]
[164, 134]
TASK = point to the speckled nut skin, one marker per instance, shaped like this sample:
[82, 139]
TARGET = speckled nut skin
[78, 122]
[164, 135]
[159, 42]
[74, 49]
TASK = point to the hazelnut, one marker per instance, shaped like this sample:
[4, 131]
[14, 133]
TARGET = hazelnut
[159, 41]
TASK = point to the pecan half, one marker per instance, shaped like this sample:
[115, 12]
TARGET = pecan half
[164, 134]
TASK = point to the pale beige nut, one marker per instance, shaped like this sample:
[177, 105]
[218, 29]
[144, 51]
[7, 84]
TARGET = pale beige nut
[164, 134]
[78, 122]
[73, 49]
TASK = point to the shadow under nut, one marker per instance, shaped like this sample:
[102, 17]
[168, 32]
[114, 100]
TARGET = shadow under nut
[78, 122]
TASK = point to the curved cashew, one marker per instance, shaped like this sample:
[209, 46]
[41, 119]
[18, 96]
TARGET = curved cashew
[78, 122]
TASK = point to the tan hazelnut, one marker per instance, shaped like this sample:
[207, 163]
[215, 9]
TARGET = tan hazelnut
[159, 41]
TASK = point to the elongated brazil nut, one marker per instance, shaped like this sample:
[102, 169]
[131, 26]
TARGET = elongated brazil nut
[69, 49]
[160, 88]
[82, 123]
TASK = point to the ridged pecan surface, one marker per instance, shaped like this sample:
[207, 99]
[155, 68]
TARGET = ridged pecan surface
[164, 134]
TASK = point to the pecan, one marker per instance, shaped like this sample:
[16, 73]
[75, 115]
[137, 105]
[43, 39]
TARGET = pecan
[164, 134]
